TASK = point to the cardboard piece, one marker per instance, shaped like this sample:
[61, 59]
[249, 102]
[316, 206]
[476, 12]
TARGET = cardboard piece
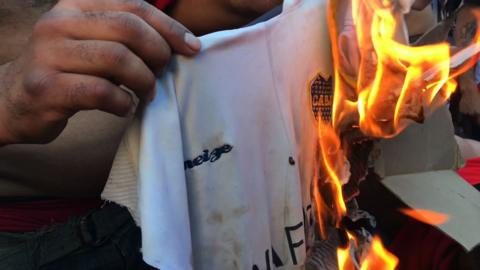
[419, 165]
[420, 148]
[443, 192]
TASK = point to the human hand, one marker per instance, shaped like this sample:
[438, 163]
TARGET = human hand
[79, 55]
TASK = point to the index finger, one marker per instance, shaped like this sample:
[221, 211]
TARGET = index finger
[177, 36]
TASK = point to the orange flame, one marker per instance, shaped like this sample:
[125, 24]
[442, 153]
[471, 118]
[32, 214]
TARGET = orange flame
[379, 258]
[390, 85]
[333, 161]
[397, 92]
[344, 259]
[426, 216]
[395, 83]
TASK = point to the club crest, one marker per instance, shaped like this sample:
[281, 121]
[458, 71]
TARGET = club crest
[322, 97]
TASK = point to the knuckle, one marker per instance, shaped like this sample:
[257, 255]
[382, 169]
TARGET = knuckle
[135, 6]
[129, 25]
[36, 83]
[86, 51]
[50, 22]
[95, 16]
[52, 117]
[44, 24]
[117, 55]
[76, 92]
[101, 93]
[175, 28]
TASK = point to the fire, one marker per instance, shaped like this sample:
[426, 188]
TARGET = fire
[344, 259]
[426, 216]
[397, 92]
[333, 158]
[395, 83]
[380, 91]
[379, 258]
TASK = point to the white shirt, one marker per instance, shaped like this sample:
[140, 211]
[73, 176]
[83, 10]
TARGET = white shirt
[228, 148]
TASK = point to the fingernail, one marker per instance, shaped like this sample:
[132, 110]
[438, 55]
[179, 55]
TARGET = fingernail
[192, 41]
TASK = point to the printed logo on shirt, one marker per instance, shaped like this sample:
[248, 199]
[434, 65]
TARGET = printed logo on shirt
[322, 97]
[208, 156]
[296, 237]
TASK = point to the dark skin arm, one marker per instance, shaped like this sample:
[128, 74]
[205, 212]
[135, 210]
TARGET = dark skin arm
[83, 50]
[90, 138]
[79, 54]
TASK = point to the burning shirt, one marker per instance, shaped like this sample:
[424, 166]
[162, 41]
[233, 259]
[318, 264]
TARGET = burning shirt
[229, 148]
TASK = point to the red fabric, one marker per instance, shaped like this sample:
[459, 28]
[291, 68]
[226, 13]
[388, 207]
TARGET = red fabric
[33, 215]
[422, 247]
[471, 172]
[161, 4]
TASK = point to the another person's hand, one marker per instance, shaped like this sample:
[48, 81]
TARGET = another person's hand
[79, 55]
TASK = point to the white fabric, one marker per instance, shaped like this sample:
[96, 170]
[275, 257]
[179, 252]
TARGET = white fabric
[122, 184]
[217, 188]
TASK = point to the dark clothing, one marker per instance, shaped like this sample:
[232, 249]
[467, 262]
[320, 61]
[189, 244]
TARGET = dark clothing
[29, 214]
[105, 238]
